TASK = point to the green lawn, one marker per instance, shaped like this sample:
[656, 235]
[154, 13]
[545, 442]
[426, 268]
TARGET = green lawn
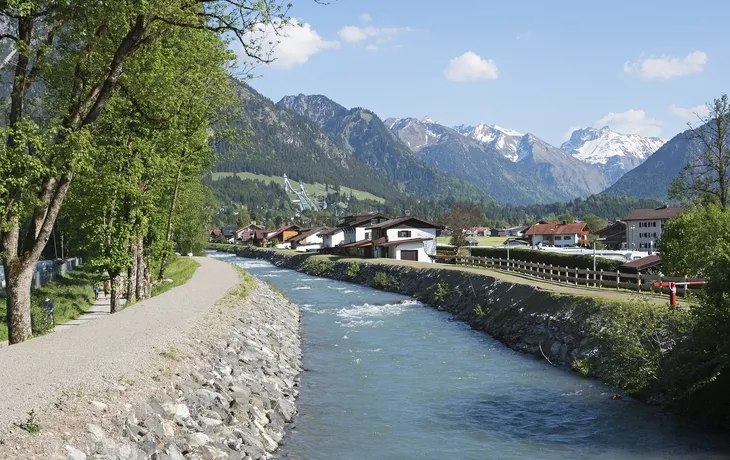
[71, 295]
[483, 240]
[312, 189]
[179, 270]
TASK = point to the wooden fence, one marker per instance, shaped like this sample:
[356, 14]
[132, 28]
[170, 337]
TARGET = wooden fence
[575, 276]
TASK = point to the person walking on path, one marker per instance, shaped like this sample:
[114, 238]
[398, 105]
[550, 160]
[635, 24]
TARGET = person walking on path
[107, 288]
[95, 287]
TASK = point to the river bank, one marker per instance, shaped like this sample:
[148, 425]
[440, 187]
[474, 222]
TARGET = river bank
[624, 344]
[220, 384]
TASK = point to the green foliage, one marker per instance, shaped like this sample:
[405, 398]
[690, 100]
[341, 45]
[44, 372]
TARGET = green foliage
[481, 312]
[353, 269]
[180, 270]
[582, 366]
[692, 242]
[545, 257]
[171, 353]
[382, 280]
[318, 267]
[634, 340]
[31, 424]
[459, 219]
[595, 223]
[223, 247]
[440, 293]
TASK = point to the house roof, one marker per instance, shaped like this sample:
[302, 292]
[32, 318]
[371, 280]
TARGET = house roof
[665, 212]
[261, 234]
[399, 242]
[644, 263]
[306, 234]
[249, 227]
[284, 228]
[330, 231]
[216, 232]
[518, 228]
[555, 228]
[357, 244]
[405, 219]
[364, 220]
[613, 229]
[479, 229]
[228, 230]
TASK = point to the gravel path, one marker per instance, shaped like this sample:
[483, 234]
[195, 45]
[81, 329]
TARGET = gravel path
[35, 373]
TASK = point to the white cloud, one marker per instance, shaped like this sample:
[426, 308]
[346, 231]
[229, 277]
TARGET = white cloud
[689, 113]
[648, 67]
[469, 66]
[382, 35]
[524, 36]
[365, 17]
[632, 121]
[294, 44]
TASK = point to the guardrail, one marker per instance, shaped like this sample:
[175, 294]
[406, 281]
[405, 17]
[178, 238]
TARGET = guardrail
[578, 276]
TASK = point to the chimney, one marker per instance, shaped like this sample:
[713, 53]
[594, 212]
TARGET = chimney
[565, 222]
[407, 213]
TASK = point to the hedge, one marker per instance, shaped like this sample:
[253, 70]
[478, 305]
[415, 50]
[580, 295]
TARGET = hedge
[545, 257]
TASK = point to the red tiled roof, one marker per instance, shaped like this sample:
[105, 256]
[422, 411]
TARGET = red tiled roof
[399, 242]
[555, 228]
[261, 234]
[282, 229]
[216, 232]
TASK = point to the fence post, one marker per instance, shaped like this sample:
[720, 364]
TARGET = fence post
[618, 279]
[684, 293]
[600, 281]
[576, 276]
[638, 280]
[551, 272]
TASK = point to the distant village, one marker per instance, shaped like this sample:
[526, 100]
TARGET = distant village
[375, 235]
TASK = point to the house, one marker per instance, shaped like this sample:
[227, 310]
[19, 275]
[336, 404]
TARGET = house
[214, 235]
[228, 232]
[356, 239]
[310, 240]
[559, 234]
[284, 233]
[260, 237]
[644, 227]
[517, 230]
[497, 232]
[516, 242]
[404, 238]
[332, 237]
[614, 236]
[650, 265]
[247, 231]
[478, 231]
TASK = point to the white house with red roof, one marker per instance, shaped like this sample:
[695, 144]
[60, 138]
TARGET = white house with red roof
[558, 234]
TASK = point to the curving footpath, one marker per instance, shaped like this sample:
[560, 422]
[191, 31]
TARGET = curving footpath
[36, 372]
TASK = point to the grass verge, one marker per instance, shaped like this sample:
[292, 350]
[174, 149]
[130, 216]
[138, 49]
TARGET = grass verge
[179, 270]
[71, 295]
[246, 285]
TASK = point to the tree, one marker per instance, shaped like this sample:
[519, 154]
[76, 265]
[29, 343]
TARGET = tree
[594, 222]
[692, 242]
[460, 219]
[244, 218]
[567, 217]
[78, 51]
[706, 177]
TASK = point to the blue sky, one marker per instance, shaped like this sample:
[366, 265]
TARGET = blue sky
[534, 66]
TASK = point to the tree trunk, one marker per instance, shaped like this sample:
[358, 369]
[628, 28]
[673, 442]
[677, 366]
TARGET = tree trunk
[8, 309]
[170, 216]
[141, 267]
[132, 275]
[116, 285]
[18, 283]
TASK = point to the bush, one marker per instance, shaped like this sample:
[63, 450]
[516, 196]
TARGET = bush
[352, 270]
[381, 280]
[440, 293]
[41, 321]
[581, 366]
[318, 267]
[481, 312]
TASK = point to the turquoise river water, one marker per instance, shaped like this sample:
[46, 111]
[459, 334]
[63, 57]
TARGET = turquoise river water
[387, 377]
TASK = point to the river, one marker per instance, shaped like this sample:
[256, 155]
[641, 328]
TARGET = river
[387, 377]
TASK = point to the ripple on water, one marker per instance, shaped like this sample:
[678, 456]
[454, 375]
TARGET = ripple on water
[368, 314]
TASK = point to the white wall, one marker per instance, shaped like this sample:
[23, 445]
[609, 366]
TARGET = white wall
[565, 240]
[330, 241]
[312, 239]
[643, 237]
[392, 233]
[394, 251]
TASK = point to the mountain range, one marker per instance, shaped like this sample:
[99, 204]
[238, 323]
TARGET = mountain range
[313, 138]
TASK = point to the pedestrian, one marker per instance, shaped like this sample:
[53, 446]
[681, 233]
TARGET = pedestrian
[107, 288]
[96, 291]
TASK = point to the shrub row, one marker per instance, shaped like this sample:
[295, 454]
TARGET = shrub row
[545, 257]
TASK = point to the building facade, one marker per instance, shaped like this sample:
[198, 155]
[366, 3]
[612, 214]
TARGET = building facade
[644, 227]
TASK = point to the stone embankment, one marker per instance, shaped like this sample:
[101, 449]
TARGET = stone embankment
[225, 390]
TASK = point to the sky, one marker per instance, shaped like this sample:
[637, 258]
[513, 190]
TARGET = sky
[644, 66]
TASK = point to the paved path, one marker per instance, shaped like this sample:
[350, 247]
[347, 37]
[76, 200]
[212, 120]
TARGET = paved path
[36, 372]
[99, 309]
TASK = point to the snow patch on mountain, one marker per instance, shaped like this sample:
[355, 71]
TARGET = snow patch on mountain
[415, 133]
[597, 146]
[504, 140]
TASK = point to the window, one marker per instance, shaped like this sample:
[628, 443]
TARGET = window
[367, 235]
[404, 233]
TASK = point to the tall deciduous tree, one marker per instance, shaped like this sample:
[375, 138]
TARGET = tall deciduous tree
[459, 219]
[706, 178]
[79, 50]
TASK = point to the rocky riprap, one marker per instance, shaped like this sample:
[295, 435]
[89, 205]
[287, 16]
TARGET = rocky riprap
[224, 395]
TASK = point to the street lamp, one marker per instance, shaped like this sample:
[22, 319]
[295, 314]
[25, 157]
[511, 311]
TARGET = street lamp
[632, 236]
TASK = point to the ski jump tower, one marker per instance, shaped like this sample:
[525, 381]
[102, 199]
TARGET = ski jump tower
[304, 201]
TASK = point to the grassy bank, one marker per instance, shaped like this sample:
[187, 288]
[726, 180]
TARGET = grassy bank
[179, 270]
[71, 295]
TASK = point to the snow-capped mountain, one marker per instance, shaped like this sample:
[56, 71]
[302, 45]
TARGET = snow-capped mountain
[415, 133]
[615, 153]
[504, 140]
